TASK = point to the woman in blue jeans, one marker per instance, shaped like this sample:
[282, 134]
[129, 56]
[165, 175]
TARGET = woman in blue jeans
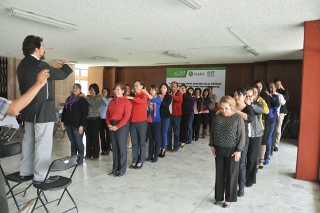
[274, 103]
[193, 102]
[154, 123]
[165, 117]
[74, 120]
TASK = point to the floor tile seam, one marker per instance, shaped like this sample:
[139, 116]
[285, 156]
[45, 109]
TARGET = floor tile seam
[203, 200]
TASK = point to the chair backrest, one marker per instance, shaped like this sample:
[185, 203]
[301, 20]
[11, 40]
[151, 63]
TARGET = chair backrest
[64, 163]
[10, 149]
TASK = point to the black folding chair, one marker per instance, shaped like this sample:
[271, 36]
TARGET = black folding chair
[61, 183]
[7, 151]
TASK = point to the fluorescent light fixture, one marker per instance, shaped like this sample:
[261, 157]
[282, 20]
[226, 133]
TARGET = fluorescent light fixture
[42, 19]
[193, 4]
[252, 51]
[178, 63]
[102, 58]
[247, 47]
[176, 54]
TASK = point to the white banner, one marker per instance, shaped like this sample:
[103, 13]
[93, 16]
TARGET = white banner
[200, 77]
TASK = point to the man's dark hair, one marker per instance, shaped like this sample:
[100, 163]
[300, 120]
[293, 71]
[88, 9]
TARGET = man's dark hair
[276, 79]
[95, 87]
[30, 43]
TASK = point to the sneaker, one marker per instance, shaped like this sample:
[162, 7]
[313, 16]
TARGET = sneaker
[266, 162]
[275, 149]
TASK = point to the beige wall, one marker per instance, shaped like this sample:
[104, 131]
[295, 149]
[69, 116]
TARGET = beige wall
[95, 75]
[12, 79]
[63, 88]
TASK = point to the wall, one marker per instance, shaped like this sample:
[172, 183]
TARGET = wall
[237, 75]
[308, 160]
[62, 88]
[95, 75]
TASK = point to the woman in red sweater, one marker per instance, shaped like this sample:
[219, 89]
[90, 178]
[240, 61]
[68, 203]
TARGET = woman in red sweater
[138, 125]
[117, 119]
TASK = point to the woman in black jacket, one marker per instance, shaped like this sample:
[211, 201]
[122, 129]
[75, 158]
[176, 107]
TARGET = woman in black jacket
[205, 111]
[197, 114]
[165, 117]
[74, 120]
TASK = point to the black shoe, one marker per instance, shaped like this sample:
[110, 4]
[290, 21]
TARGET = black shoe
[154, 161]
[148, 159]
[48, 180]
[103, 152]
[25, 178]
[132, 167]
[163, 153]
[226, 205]
[216, 202]
[139, 167]
[275, 149]
[240, 192]
[119, 174]
[107, 152]
[112, 173]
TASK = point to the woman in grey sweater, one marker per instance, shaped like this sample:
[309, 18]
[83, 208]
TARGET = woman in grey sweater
[227, 140]
[93, 123]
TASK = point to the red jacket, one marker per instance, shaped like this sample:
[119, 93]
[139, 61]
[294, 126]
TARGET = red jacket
[139, 107]
[177, 99]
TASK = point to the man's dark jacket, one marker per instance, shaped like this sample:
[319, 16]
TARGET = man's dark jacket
[42, 107]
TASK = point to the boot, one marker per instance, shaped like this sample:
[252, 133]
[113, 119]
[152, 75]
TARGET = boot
[81, 160]
[241, 190]
[204, 133]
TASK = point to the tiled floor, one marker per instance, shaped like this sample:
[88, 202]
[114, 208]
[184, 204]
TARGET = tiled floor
[181, 182]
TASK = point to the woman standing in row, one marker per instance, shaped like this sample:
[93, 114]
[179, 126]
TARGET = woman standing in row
[255, 138]
[165, 117]
[138, 125]
[197, 114]
[193, 102]
[74, 119]
[117, 119]
[266, 120]
[244, 109]
[227, 140]
[205, 111]
[185, 115]
[104, 130]
[154, 123]
[92, 131]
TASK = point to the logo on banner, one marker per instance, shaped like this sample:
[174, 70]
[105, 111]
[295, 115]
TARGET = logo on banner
[190, 73]
[210, 73]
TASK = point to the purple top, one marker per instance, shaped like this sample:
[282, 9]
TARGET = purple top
[193, 100]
